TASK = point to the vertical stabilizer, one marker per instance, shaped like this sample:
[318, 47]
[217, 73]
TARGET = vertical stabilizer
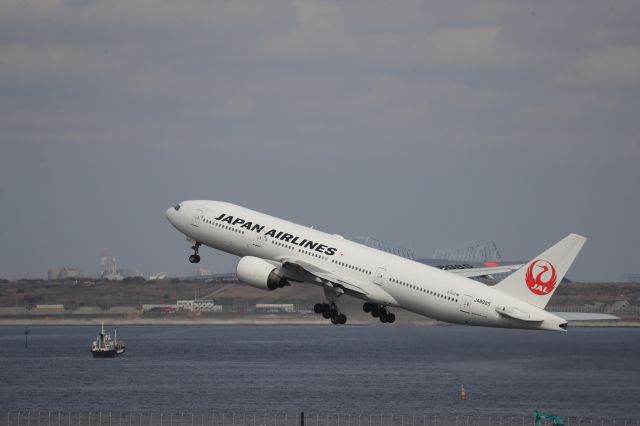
[536, 282]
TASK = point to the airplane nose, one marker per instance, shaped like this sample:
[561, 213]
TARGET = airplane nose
[172, 213]
[175, 215]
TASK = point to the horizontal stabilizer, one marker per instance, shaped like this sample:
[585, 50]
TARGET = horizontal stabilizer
[584, 316]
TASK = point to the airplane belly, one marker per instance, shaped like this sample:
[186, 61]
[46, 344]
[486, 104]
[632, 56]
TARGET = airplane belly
[461, 309]
[424, 305]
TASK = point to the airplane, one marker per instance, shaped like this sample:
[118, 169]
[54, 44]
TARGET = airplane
[275, 253]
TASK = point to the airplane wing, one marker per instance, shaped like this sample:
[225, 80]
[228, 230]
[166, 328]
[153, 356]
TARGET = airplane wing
[324, 277]
[480, 272]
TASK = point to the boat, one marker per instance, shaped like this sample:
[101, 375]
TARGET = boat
[105, 347]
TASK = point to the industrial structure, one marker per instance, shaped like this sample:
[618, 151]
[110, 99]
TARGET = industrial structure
[64, 273]
[471, 251]
[109, 269]
[384, 246]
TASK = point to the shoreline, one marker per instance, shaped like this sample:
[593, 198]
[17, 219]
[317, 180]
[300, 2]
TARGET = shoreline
[262, 321]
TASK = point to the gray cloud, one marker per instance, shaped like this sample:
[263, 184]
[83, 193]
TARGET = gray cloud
[422, 123]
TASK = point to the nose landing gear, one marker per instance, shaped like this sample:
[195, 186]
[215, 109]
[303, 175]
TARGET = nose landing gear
[379, 311]
[195, 258]
[330, 311]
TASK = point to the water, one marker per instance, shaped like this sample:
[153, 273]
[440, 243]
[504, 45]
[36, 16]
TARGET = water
[377, 369]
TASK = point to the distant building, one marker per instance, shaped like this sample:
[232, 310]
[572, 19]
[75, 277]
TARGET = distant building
[275, 307]
[130, 273]
[64, 273]
[67, 273]
[48, 309]
[158, 277]
[160, 308]
[53, 273]
[199, 305]
[201, 272]
[56, 306]
[631, 278]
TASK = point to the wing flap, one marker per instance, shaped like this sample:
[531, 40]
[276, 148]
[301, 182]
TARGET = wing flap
[304, 267]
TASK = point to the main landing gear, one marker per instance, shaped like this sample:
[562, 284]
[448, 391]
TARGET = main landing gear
[330, 310]
[195, 258]
[379, 311]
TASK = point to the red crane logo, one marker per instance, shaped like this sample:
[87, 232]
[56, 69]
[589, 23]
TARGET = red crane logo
[544, 280]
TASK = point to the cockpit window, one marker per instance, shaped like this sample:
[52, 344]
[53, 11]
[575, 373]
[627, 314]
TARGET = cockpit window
[177, 207]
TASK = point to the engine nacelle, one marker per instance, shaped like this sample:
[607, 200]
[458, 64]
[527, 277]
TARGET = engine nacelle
[259, 273]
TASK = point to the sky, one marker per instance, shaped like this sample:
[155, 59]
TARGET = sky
[424, 124]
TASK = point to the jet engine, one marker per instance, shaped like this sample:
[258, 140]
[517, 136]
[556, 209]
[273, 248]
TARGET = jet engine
[259, 273]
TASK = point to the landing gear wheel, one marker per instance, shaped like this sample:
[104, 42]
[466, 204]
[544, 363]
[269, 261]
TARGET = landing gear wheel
[338, 319]
[391, 318]
[376, 312]
[194, 258]
[368, 307]
[317, 308]
[326, 311]
[384, 317]
[334, 310]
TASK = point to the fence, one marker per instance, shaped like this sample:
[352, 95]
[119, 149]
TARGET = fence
[622, 310]
[67, 418]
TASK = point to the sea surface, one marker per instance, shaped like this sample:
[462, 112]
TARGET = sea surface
[587, 372]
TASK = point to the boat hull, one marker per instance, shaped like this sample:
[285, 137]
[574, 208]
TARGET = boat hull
[107, 353]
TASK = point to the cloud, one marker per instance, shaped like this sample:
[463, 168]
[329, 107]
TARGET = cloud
[323, 31]
[367, 103]
[605, 68]
[23, 63]
[319, 29]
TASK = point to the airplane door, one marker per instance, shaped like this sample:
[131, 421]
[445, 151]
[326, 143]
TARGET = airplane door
[195, 220]
[465, 304]
[378, 278]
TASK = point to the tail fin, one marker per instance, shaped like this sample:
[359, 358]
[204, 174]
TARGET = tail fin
[536, 282]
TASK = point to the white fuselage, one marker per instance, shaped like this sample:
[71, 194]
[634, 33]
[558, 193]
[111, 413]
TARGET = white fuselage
[390, 280]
